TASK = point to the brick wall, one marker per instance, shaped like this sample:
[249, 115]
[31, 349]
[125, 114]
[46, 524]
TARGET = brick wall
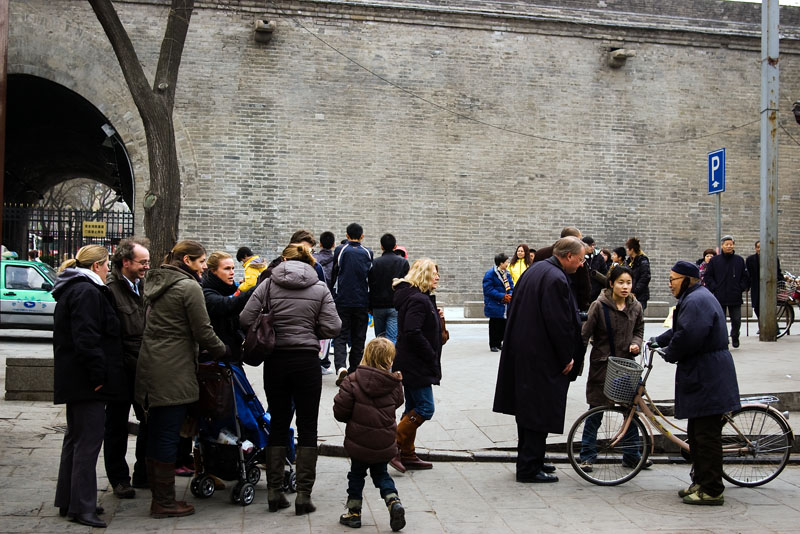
[500, 129]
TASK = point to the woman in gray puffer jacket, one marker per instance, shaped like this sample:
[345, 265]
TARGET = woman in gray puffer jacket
[304, 314]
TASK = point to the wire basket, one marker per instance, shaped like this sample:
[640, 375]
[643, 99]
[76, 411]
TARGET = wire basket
[784, 290]
[622, 379]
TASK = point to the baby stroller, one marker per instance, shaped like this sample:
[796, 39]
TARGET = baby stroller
[233, 432]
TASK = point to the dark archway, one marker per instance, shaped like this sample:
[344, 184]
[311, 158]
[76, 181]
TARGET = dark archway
[53, 134]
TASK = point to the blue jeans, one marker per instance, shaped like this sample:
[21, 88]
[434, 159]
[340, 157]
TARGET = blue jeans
[164, 431]
[629, 444]
[385, 323]
[420, 400]
[358, 473]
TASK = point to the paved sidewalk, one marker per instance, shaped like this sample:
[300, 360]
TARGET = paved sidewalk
[455, 496]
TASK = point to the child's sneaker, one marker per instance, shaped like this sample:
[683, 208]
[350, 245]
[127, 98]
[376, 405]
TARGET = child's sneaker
[352, 518]
[397, 514]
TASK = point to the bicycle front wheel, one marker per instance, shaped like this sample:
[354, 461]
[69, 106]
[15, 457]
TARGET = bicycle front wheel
[785, 317]
[756, 443]
[601, 453]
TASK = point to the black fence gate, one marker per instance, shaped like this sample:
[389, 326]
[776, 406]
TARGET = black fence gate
[58, 233]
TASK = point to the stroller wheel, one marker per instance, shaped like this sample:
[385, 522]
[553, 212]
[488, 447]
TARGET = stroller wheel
[202, 487]
[290, 481]
[253, 474]
[243, 493]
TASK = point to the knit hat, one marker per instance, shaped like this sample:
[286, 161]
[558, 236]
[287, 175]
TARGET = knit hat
[686, 268]
[727, 238]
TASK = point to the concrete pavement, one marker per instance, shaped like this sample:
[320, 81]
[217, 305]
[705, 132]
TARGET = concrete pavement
[461, 496]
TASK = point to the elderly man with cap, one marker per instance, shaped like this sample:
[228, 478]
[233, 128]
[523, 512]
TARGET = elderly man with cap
[705, 378]
[726, 277]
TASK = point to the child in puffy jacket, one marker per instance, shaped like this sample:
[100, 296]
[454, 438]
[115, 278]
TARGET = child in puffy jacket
[367, 401]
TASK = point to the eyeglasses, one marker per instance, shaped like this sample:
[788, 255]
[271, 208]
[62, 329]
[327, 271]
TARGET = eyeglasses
[143, 263]
[673, 278]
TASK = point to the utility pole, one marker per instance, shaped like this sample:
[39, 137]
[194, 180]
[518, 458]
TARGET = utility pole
[768, 259]
[3, 88]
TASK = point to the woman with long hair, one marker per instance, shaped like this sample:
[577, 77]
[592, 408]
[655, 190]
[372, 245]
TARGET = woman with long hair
[166, 372]
[520, 262]
[88, 372]
[419, 355]
[304, 313]
[615, 324]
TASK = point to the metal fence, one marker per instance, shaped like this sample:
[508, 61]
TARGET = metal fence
[58, 233]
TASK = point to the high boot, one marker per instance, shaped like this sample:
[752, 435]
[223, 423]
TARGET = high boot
[306, 475]
[405, 431]
[276, 462]
[408, 457]
[162, 484]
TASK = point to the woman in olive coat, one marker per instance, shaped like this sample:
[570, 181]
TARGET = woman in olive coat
[166, 372]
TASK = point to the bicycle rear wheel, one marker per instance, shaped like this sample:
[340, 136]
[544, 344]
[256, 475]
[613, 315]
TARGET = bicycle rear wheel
[756, 443]
[785, 317]
[598, 460]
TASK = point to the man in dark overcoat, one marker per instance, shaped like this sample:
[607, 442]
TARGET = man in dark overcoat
[542, 343]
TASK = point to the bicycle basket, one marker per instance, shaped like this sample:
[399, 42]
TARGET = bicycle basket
[622, 379]
[784, 291]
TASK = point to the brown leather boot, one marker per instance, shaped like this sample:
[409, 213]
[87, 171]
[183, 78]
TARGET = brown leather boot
[406, 432]
[306, 476]
[408, 457]
[163, 487]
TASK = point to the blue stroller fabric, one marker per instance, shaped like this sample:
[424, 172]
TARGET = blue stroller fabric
[252, 418]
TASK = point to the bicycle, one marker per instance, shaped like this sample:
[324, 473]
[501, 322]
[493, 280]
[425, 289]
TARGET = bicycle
[786, 301]
[756, 439]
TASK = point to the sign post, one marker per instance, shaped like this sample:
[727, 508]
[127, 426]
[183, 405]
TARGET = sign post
[716, 183]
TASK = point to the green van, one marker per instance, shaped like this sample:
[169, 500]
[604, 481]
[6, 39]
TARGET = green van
[26, 294]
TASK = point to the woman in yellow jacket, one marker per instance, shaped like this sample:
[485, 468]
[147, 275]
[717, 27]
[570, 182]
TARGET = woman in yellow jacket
[519, 262]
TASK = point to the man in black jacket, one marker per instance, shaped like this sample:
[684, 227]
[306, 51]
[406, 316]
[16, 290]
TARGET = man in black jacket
[726, 277]
[384, 270]
[131, 261]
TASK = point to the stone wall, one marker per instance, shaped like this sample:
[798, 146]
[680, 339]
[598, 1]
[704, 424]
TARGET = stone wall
[464, 129]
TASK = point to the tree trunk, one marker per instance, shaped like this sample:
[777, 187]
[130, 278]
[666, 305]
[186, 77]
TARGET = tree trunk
[162, 200]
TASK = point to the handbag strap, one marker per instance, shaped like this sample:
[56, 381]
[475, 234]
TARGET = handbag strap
[609, 330]
[266, 308]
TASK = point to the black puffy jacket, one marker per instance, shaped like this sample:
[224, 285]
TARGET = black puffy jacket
[419, 337]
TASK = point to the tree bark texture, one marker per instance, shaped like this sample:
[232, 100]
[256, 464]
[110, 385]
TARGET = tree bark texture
[162, 200]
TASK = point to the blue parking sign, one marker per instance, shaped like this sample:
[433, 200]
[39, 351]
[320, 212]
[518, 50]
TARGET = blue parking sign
[716, 171]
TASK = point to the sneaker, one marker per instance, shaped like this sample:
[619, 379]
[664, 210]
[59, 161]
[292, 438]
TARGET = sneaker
[688, 491]
[327, 371]
[704, 499]
[340, 375]
[647, 465]
[123, 490]
[352, 518]
[586, 467]
[397, 514]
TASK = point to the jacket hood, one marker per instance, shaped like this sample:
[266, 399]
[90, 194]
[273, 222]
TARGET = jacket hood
[324, 257]
[402, 292]
[375, 382]
[294, 274]
[212, 281]
[66, 278]
[256, 262]
[161, 279]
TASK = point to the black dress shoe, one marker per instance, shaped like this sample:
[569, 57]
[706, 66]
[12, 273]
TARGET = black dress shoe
[494, 349]
[90, 520]
[548, 468]
[538, 478]
[62, 510]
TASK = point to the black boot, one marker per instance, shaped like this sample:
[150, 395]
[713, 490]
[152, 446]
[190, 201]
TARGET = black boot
[306, 475]
[276, 462]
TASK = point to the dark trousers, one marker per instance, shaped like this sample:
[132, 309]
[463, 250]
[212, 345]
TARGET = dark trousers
[115, 442]
[735, 314]
[358, 473]
[76, 489]
[629, 445]
[705, 440]
[497, 329]
[288, 376]
[531, 445]
[164, 432]
[354, 330]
